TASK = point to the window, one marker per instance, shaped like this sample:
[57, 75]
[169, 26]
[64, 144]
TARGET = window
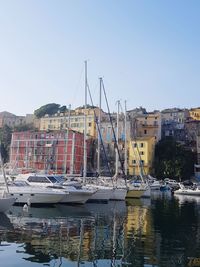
[134, 161]
[38, 179]
[141, 152]
[135, 144]
[145, 131]
[52, 179]
[141, 145]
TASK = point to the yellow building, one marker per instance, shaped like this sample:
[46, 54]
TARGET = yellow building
[74, 119]
[195, 113]
[141, 153]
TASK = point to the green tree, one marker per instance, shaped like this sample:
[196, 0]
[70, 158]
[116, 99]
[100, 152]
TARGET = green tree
[63, 109]
[173, 160]
[49, 109]
[5, 139]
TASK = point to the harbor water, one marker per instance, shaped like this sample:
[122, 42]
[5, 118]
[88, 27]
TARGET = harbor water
[162, 231]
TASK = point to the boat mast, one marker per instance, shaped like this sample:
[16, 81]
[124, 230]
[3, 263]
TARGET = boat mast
[117, 141]
[85, 129]
[99, 132]
[125, 141]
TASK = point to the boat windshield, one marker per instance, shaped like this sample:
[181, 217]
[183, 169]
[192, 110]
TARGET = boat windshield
[53, 179]
[59, 178]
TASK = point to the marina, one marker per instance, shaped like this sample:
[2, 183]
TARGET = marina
[99, 134]
[157, 231]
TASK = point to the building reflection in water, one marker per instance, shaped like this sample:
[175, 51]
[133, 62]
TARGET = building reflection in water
[153, 232]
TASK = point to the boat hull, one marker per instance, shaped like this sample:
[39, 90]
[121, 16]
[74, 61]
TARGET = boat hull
[101, 195]
[135, 193]
[188, 192]
[147, 193]
[76, 197]
[33, 197]
[118, 194]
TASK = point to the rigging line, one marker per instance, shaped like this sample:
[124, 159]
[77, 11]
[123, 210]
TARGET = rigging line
[115, 140]
[99, 131]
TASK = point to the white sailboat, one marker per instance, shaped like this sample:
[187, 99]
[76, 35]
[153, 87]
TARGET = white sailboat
[102, 193]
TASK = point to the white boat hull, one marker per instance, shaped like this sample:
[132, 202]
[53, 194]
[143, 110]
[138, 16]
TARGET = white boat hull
[118, 194]
[31, 196]
[76, 197]
[102, 194]
[147, 192]
[188, 192]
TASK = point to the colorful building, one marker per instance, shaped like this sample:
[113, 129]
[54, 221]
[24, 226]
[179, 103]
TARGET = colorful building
[74, 119]
[53, 151]
[141, 155]
[147, 125]
[195, 113]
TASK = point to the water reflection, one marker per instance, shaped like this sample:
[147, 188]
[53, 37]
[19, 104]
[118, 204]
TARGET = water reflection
[161, 231]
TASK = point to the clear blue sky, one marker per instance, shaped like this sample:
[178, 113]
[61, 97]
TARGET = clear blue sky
[148, 52]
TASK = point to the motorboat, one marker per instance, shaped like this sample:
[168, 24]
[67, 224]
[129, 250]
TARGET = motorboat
[192, 191]
[24, 193]
[73, 194]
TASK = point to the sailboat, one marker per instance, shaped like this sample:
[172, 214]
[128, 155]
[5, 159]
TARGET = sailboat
[102, 193]
[117, 192]
[141, 189]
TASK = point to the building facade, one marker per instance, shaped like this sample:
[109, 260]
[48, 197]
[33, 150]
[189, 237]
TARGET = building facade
[141, 155]
[74, 119]
[51, 151]
[11, 120]
[173, 123]
[195, 114]
[147, 125]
